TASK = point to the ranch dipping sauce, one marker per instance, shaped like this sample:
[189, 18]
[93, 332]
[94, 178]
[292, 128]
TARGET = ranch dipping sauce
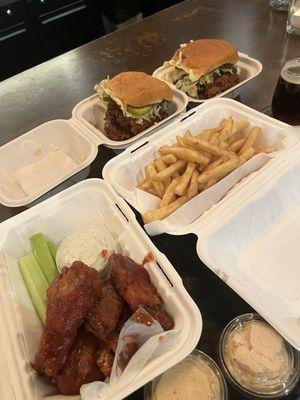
[91, 246]
[197, 377]
[257, 359]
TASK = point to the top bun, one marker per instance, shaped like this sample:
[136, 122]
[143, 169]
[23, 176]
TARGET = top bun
[203, 56]
[138, 89]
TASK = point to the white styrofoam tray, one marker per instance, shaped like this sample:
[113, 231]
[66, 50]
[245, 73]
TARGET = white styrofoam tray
[90, 114]
[77, 137]
[90, 203]
[33, 147]
[250, 237]
[248, 68]
[124, 171]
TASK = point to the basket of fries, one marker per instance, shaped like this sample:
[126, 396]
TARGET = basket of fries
[186, 168]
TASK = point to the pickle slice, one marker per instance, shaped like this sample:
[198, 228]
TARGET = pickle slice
[105, 96]
[138, 111]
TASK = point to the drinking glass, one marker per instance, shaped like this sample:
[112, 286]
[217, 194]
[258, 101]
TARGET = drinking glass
[286, 99]
[293, 21]
[281, 5]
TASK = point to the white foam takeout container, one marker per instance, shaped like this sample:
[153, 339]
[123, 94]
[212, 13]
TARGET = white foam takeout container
[91, 203]
[89, 114]
[248, 68]
[77, 137]
[249, 238]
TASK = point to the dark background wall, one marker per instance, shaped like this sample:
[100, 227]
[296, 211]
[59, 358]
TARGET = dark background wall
[33, 31]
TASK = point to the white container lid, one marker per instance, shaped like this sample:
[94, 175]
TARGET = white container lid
[41, 159]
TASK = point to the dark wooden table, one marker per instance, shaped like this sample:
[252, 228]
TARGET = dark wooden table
[52, 89]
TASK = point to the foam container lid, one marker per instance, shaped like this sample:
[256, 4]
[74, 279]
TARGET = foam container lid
[249, 238]
[25, 174]
[248, 68]
[91, 203]
[47, 155]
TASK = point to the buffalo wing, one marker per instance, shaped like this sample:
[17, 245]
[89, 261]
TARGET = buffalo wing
[81, 366]
[103, 319]
[133, 283]
[70, 298]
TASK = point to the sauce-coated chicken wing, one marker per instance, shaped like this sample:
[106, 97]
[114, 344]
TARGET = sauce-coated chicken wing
[103, 319]
[133, 283]
[70, 298]
[81, 366]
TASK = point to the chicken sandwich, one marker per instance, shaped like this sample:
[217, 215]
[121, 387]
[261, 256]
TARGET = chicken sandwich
[204, 68]
[134, 101]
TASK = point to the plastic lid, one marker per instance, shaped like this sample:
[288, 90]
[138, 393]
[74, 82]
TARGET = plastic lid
[197, 377]
[256, 359]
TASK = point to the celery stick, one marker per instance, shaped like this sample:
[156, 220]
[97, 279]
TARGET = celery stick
[52, 247]
[43, 256]
[35, 282]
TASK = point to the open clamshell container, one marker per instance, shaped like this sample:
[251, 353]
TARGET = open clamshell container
[248, 68]
[92, 204]
[249, 235]
[47, 155]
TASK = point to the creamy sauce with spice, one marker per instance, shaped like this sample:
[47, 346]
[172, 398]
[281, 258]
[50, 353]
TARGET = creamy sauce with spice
[256, 356]
[191, 379]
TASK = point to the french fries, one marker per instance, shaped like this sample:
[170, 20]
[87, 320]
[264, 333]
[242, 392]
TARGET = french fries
[169, 159]
[220, 171]
[194, 186]
[197, 162]
[251, 139]
[163, 212]
[185, 180]
[169, 195]
[185, 154]
[166, 173]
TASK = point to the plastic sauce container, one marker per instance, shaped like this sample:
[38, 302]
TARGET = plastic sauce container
[256, 360]
[197, 377]
[91, 246]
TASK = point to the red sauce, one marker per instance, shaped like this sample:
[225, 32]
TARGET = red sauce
[129, 349]
[103, 253]
[149, 257]
[142, 317]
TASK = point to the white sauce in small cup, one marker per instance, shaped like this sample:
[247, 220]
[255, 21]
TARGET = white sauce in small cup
[92, 247]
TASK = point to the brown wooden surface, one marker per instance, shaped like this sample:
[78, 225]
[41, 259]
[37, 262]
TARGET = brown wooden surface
[51, 90]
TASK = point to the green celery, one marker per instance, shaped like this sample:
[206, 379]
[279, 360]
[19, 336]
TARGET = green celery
[53, 249]
[35, 282]
[43, 256]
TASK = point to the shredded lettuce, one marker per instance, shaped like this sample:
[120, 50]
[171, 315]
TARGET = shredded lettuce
[104, 98]
[138, 113]
[181, 79]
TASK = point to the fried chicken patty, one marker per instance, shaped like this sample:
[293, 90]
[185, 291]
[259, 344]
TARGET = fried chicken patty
[118, 127]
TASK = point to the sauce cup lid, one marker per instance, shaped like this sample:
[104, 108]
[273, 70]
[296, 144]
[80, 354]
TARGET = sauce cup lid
[249, 362]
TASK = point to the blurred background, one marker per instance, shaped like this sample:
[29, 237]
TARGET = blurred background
[33, 31]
